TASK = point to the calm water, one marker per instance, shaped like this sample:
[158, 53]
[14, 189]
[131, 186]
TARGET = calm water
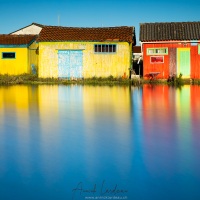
[75, 142]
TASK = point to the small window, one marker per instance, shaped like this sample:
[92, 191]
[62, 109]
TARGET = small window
[105, 48]
[198, 49]
[150, 51]
[157, 51]
[95, 48]
[99, 48]
[194, 42]
[110, 48]
[163, 51]
[8, 55]
[157, 59]
[114, 48]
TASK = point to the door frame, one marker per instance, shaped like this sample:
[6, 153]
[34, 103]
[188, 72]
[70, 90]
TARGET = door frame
[179, 50]
[70, 65]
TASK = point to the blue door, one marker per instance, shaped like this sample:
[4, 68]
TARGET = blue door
[70, 64]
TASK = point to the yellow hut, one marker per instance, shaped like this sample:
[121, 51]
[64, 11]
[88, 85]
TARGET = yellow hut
[71, 52]
[18, 54]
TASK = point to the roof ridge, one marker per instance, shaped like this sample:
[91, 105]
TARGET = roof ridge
[60, 33]
[40, 25]
[76, 27]
[169, 22]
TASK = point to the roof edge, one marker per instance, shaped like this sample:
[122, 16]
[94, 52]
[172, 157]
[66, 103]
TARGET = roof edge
[36, 24]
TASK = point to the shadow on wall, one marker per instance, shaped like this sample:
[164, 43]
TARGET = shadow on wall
[33, 69]
[138, 67]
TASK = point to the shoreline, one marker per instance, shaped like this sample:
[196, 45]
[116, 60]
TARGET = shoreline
[30, 79]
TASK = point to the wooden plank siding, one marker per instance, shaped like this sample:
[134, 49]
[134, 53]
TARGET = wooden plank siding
[105, 51]
[170, 64]
[172, 61]
[93, 64]
[195, 63]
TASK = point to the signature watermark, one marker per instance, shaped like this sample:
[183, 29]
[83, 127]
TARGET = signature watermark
[101, 191]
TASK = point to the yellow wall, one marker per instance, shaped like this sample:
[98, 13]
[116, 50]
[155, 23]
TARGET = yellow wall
[22, 63]
[14, 66]
[94, 64]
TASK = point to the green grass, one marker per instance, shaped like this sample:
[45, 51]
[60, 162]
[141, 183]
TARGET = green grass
[25, 79]
[110, 81]
[33, 79]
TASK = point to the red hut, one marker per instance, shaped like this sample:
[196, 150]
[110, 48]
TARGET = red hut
[171, 49]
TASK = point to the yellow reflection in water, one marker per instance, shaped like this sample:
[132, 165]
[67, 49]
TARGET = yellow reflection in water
[108, 105]
[183, 108]
[15, 110]
[15, 100]
[48, 107]
[49, 126]
[103, 100]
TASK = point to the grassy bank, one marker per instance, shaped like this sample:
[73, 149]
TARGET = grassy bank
[33, 79]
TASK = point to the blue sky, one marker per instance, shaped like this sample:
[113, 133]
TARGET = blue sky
[16, 14]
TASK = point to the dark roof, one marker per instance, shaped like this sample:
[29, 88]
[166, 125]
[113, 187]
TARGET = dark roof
[58, 33]
[136, 49]
[36, 24]
[16, 39]
[169, 31]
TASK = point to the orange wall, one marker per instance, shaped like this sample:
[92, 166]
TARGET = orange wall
[163, 68]
[149, 67]
[195, 63]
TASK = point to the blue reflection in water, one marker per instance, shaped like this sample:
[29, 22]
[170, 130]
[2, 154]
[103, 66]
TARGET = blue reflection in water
[72, 142]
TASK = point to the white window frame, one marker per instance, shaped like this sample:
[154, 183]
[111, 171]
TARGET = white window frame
[114, 48]
[155, 51]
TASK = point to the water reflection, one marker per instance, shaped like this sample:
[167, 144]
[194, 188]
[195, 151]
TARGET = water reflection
[146, 140]
[107, 126]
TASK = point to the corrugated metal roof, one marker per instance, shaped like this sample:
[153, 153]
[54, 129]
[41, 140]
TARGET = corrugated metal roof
[169, 31]
[57, 33]
[16, 39]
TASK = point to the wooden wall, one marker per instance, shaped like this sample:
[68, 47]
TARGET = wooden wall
[169, 67]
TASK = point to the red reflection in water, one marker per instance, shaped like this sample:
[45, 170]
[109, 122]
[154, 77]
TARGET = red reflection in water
[195, 104]
[156, 104]
[171, 129]
[195, 120]
[159, 119]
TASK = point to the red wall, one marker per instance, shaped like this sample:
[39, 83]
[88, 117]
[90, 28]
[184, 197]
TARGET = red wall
[164, 68]
[195, 62]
